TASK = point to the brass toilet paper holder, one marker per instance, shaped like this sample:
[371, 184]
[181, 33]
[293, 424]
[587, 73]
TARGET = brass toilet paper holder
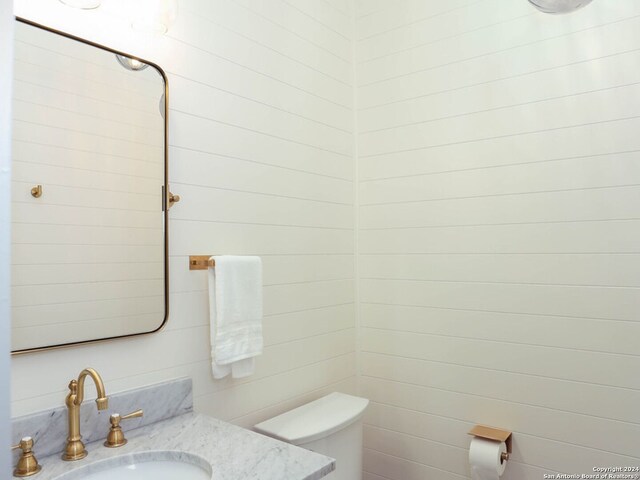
[495, 434]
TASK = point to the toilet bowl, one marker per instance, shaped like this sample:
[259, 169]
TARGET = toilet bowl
[331, 425]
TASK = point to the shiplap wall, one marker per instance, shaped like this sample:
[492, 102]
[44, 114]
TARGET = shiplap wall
[88, 255]
[6, 55]
[497, 236]
[261, 152]
[499, 228]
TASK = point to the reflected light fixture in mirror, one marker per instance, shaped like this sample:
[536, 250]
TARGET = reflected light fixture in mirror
[559, 6]
[153, 16]
[130, 63]
[84, 4]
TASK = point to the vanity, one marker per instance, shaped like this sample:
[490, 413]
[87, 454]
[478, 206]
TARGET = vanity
[169, 441]
[192, 447]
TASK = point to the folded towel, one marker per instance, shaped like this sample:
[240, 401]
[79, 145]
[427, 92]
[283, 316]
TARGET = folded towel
[235, 308]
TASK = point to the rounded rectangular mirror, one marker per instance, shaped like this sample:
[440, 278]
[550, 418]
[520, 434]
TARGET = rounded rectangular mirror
[89, 183]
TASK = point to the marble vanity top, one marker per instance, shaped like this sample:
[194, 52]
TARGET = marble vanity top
[233, 452]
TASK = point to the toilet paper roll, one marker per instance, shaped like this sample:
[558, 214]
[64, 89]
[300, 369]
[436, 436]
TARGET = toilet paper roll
[484, 459]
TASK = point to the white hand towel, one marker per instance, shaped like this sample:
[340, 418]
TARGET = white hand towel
[235, 309]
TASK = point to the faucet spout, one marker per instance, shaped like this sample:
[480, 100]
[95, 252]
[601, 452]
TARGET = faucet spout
[102, 401]
[75, 449]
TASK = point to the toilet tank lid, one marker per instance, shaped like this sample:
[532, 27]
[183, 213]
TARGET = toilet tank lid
[315, 420]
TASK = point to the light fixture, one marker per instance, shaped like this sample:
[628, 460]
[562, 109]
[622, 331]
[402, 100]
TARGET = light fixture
[131, 63]
[153, 16]
[161, 105]
[84, 4]
[559, 6]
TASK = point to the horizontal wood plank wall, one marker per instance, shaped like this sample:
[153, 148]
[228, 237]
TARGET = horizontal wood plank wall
[6, 81]
[499, 210]
[261, 152]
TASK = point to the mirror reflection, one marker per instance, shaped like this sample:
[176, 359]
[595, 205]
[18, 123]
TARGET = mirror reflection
[88, 233]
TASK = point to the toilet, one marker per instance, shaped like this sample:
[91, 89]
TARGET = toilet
[331, 425]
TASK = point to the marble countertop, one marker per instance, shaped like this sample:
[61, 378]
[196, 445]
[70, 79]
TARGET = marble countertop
[234, 453]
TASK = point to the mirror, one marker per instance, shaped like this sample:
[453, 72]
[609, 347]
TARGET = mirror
[89, 220]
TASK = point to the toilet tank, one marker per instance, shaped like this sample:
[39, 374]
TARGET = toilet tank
[331, 425]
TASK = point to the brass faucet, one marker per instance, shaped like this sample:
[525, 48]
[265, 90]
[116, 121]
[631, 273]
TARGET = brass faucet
[74, 450]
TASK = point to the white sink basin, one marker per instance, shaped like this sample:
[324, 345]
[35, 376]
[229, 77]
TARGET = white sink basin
[164, 465]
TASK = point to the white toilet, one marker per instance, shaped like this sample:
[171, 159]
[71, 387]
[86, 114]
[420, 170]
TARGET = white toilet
[331, 425]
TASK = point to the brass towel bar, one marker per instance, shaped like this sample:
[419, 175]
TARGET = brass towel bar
[200, 262]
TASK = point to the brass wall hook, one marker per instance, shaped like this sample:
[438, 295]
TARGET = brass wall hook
[27, 464]
[36, 191]
[173, 199]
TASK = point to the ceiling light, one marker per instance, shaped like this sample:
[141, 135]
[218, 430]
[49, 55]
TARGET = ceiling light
[559, 6]
[84, 4]
[153, 16]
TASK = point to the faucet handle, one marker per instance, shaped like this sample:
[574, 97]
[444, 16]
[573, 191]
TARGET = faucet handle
[136, 414]
[27, 464]
[115, 438]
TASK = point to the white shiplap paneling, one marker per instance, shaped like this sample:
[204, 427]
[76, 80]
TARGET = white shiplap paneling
[6, 75]
[497, 190]
[498, 238]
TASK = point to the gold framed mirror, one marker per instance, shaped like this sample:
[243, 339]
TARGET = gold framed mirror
[89, 192]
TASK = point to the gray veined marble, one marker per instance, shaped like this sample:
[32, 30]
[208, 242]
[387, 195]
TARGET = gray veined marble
[49, 428]
[233, 453]
[168, 425]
